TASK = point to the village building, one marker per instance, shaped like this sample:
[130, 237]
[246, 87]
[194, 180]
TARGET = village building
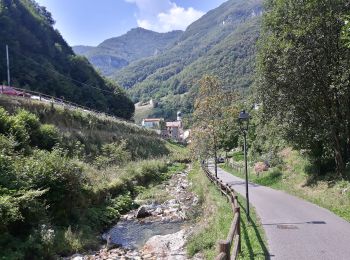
[152, 123]
[168, 130]
[174, 130]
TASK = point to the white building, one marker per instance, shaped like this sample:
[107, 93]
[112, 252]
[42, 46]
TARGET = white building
[154, 123]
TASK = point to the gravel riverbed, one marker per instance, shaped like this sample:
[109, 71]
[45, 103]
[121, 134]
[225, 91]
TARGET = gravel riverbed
[155, 230]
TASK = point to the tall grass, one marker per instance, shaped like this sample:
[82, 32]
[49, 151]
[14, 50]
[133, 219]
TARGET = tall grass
[215, 221]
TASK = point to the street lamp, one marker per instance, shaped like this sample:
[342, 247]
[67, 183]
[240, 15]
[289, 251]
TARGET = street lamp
[243, 120]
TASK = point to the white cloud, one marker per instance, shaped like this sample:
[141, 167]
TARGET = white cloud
[164, 15]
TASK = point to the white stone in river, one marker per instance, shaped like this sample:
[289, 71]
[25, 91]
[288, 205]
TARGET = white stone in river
[167, 247]
[77, 257]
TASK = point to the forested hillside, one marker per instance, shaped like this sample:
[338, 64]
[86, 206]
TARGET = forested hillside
[115, 53]
[221, 43]
[41, 60]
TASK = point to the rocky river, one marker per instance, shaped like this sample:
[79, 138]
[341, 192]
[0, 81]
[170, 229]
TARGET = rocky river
[154, 230]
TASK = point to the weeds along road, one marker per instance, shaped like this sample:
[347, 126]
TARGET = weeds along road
[295, 229]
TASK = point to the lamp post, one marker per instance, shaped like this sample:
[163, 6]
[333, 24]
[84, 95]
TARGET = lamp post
[243, 120]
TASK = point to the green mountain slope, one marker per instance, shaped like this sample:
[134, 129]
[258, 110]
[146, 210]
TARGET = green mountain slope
[118, 52]
[221, 43]
[41, 60]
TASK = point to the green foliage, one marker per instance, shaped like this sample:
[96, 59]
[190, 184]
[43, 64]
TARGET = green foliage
[113, 154]
[83, 134]
[49, 137]
[214, 119]
[62, 178]
[42, 61]
[303, 77]
[51, 202]
[26, 130]
[237, 156]
[25, 125]
[220, 43]
[215, 219]
[346, 31]
[215, 223]
[265, 139]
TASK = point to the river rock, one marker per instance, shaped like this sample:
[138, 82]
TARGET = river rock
[77, 257]
[158, 211]
[142, 212]
[166, 247]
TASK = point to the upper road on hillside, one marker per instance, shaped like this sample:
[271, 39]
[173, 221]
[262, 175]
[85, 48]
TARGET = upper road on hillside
[295, 229]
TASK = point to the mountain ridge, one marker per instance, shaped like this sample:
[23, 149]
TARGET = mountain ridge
[221, 43]
[117, 52]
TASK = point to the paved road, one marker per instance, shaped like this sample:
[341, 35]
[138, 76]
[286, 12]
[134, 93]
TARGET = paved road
[295, 229]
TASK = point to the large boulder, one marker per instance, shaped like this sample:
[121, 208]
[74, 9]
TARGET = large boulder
[142, 212]
[168, 247]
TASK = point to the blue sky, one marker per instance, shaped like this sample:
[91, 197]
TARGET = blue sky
[89, 22]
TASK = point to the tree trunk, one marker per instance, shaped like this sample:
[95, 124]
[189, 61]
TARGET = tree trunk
[216, 157]
[339, 162]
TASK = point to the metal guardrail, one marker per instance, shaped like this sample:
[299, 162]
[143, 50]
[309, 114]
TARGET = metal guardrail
[231, 247]
[34, 95]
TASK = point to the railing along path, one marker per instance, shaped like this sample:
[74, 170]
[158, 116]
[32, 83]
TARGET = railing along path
[231, 247]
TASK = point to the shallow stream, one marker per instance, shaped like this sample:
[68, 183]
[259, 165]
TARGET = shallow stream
[133, 234]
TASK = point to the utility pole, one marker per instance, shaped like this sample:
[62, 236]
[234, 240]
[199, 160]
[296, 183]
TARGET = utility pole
[215, 158]
[246, 173]
[8, 66]
[243, 120]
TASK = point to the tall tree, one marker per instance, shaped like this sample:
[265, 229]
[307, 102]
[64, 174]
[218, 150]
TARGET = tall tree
[210, 118]
[303, 73]
[228, 129]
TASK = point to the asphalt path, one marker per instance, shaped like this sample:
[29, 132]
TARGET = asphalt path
[295, 229]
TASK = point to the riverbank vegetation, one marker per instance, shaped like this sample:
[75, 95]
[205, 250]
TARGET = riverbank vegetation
[56, 195]
[215, 220]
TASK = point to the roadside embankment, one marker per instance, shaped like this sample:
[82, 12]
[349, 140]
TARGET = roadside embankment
[214, 220]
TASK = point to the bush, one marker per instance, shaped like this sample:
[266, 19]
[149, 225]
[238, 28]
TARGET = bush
[4, 121]
[18, 130]
[29, 125]
[113, 154]
[62, 178]
[49, 137]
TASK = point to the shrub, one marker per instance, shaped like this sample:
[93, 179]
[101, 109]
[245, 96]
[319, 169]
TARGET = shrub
[18, 130]
[31, 124]
[49, 137]
[113, 154]
[4, 121]
[62, 178]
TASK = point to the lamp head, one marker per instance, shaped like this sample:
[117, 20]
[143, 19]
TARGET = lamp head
[243, 120]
